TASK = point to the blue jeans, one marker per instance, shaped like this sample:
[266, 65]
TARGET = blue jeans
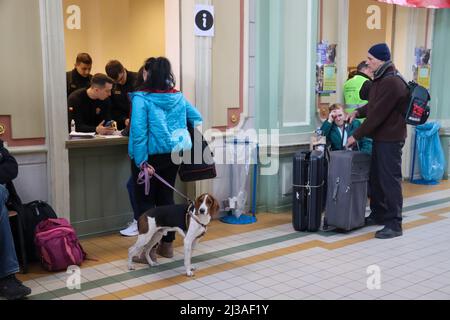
[8, 258]
[132, 196]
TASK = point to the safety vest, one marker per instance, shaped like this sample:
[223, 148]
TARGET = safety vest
[351, 93]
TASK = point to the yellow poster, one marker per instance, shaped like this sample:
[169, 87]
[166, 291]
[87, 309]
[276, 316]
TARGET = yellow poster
[329, 78]
[423, 76]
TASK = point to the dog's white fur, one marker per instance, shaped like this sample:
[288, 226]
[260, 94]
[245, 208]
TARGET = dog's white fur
[147, 241]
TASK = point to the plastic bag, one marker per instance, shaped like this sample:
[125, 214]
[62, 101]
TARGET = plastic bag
[431, 155]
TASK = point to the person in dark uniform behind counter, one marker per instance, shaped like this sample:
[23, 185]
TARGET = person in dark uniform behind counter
[125, 82]
[80, 77]
[92, 107]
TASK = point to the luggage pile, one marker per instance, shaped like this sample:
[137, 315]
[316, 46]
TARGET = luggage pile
[336, 184]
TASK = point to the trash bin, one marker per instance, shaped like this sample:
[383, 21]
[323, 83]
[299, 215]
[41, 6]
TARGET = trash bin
[430, 153]
[239, 156]
[445, 141]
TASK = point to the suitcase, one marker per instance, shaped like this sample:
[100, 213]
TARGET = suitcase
[309, 183]
[348, 175]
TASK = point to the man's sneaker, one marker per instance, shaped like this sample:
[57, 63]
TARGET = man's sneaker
[372, 221]
[12, 289]
[131, 230]
[387, 233]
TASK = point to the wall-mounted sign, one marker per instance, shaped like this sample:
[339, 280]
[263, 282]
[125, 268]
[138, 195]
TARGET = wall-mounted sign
[326, 70]
[2, 129]
[73, 21]
[422, 67]
[204, 20]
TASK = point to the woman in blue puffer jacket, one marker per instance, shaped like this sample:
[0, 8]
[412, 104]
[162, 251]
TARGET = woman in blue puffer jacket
[160, 115]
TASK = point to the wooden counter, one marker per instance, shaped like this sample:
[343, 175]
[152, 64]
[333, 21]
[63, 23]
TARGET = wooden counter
[98, 141]
[99, 171]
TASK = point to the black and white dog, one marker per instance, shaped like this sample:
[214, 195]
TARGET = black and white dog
[188, 220]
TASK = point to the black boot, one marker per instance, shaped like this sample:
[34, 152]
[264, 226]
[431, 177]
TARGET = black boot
[387, 233]
[372, 220]
[165, 249]
[13, 289]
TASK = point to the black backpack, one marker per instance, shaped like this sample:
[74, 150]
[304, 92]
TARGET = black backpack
[33, 213]
[418, 110]
[205, 168]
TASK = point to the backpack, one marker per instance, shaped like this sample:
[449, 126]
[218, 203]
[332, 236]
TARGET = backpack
[58, 245]
[33, 213]
[418, 110]
[198, 169]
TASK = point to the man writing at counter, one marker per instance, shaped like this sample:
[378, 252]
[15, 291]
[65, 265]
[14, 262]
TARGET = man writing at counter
[125, 82]
[92, 107]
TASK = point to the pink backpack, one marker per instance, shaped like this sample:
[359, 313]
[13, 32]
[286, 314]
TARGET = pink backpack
[57, 245]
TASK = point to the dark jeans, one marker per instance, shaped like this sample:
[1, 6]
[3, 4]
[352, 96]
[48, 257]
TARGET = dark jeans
[132, 196]
[160, 194]
[8, 258]
[385, 183]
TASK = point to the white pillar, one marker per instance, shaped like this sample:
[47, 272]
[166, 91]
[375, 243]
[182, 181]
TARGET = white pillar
[53, 56]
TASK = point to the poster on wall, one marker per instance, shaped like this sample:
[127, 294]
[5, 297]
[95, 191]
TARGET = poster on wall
[326, 71]
[422, 67]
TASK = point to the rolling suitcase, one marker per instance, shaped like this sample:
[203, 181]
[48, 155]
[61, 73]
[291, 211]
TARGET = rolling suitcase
[309, 179]
[348, 176]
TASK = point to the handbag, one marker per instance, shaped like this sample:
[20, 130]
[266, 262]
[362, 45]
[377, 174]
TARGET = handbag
[197, 170]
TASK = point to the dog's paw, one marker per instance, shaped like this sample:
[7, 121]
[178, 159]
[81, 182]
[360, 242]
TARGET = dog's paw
[190, 273]
[131, 266]
[153, 264]
[193, 268]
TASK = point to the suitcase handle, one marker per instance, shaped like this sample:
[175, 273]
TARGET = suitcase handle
[336, 189]
[308, 187]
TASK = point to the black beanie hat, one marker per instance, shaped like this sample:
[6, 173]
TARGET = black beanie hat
[381, 52]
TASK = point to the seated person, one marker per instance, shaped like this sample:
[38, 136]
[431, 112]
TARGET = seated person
[92, 107]
[10, 287]
[80, 77]
[125, 82]
[337, 130]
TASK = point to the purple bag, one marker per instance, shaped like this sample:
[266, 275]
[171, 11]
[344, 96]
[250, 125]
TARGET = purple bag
[57, 245]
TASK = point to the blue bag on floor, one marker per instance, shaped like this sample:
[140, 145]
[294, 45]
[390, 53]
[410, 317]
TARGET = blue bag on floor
[431, 155]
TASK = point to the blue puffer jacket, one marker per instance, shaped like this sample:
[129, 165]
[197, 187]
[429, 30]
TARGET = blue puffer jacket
[158, 124]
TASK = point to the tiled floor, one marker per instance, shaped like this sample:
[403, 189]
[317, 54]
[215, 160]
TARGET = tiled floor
[269, 260]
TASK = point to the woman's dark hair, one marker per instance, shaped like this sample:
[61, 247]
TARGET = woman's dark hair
[160, 76]
[146, 66]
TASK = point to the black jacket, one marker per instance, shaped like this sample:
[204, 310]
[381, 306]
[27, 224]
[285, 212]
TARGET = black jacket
[388, 101]
[8, 165]
[8, 172]
[75, 81]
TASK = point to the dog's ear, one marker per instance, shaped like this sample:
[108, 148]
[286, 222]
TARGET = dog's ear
[215, 207]
[143, 224]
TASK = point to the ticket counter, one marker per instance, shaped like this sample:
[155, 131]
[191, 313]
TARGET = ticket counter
[99, 171]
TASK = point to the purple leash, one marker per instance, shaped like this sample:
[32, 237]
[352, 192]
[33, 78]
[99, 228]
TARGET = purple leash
[144, 178]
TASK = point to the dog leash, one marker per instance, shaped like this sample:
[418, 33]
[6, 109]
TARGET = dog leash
[144, 178]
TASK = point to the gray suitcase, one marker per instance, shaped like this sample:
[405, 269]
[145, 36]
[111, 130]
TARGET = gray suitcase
[348, 175]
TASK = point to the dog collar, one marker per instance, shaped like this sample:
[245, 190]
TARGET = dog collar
[189, 213]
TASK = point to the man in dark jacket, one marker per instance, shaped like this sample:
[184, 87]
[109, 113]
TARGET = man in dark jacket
[125, 82]
[10, 287]
[386, 125]
[92, 107]
[80, 77]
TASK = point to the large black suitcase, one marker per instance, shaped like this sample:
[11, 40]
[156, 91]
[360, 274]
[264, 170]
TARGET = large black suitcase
[309, 185]
[348, 176]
